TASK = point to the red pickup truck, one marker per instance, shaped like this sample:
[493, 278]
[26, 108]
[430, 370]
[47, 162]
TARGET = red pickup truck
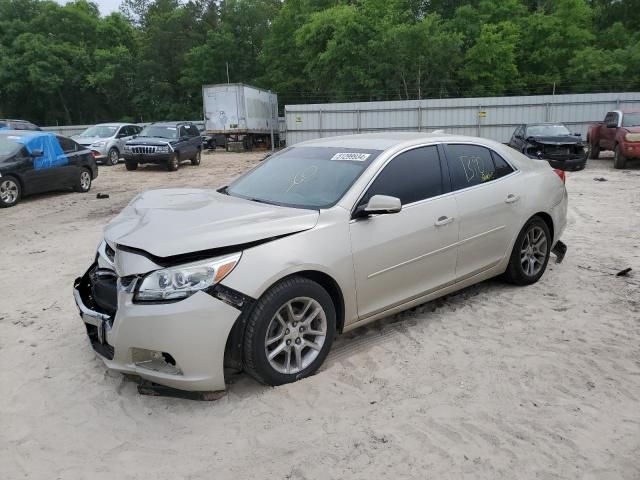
[619, 132]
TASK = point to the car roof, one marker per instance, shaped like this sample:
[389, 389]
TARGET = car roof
[387, 140]
[112, 124]
[168, 124]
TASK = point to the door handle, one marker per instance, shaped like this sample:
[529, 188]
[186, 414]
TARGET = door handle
[443, 221]
[511, 198]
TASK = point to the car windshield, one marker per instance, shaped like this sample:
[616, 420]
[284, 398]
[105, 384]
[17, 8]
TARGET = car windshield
[8, 147]
[547, 131]
[101, 131]
[631, 120]
[304, 177]
[159, 131]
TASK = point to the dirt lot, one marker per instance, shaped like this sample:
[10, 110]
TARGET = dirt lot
[492, 382]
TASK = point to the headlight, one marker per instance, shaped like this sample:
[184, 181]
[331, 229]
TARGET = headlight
[632, 137]
[98, 144]
[164, 149]
[183, 281]
[127, 147]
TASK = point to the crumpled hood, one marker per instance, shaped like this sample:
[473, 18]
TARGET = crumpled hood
[558, 140]
[152, 141]
[176, 221]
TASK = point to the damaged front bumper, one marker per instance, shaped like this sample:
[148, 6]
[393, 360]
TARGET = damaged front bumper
[179, 344]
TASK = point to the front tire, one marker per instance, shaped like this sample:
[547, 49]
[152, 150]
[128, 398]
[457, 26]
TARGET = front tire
[530, 253]
[289, 332]
[113, 157]
[83, 182]
[173, 163]
[594, 151]
[130, 165]
[619, 160]
[10, 192]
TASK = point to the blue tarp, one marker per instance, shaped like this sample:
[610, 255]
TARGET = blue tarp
[52, 153]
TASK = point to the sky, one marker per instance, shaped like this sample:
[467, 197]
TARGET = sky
[106, 6]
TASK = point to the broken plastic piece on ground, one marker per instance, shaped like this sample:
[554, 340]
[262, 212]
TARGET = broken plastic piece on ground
[102, 195]
[600, 179]
[623, 273]
[559, 250]
[149, 388]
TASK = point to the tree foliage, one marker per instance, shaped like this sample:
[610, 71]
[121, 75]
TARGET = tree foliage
[69, 64]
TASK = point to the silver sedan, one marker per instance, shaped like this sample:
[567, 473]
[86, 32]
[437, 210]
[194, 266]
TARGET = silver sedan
[319, 239]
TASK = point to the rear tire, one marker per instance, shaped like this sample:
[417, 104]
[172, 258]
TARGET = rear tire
[10, 191]
[130, 165]
[113, 156]
[619, 160]
[83, 182]
[294, 323]
[530, 253]
[196, 160]
[594, 151]
[173, 163]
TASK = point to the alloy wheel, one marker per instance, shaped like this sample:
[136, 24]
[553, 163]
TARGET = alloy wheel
[9, 191]
[295, 335]
[533, 251]
[114, 157]
[85, 180]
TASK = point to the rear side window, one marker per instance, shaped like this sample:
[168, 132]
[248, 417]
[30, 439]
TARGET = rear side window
[411, 176]
[502, 168]
[193, 130]
[67, 144]
[469, 165]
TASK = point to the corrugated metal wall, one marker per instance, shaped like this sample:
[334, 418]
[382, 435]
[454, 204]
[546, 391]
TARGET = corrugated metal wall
[490, 117]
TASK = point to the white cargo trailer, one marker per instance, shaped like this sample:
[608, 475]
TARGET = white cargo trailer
[240, 113]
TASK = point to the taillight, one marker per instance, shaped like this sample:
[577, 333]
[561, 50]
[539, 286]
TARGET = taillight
[561, 174]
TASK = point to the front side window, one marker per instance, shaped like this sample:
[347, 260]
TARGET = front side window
[469, 165]
[193, 131]
[304, 177]
[411, 176]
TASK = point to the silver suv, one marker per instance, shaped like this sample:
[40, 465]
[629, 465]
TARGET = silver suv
[107, 140]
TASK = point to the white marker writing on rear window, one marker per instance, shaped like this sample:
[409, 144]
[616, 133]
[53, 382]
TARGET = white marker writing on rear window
[350, 156]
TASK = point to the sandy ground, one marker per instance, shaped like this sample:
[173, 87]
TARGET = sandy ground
[492, 382]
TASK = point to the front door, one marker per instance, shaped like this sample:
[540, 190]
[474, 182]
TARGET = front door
[400, 256]
[488, 196]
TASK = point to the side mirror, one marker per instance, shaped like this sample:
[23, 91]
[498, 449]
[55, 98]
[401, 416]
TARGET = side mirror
[379, 205]
[519, 137]
[37, 153]
[577, 134]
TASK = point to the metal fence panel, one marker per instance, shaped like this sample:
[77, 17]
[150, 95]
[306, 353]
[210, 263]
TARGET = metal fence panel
[490, 117]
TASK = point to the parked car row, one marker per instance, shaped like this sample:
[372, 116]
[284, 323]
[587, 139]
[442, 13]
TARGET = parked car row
[555, 143]
[33, 161]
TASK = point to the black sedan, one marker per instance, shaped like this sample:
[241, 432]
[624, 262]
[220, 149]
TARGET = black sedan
[552, 142]
[33, 162]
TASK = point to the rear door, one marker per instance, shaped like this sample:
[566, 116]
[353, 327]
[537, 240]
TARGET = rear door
[66, 173]
[488, 197]
[401, 256]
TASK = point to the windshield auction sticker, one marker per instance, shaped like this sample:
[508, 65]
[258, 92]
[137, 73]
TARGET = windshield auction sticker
[351, 157]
